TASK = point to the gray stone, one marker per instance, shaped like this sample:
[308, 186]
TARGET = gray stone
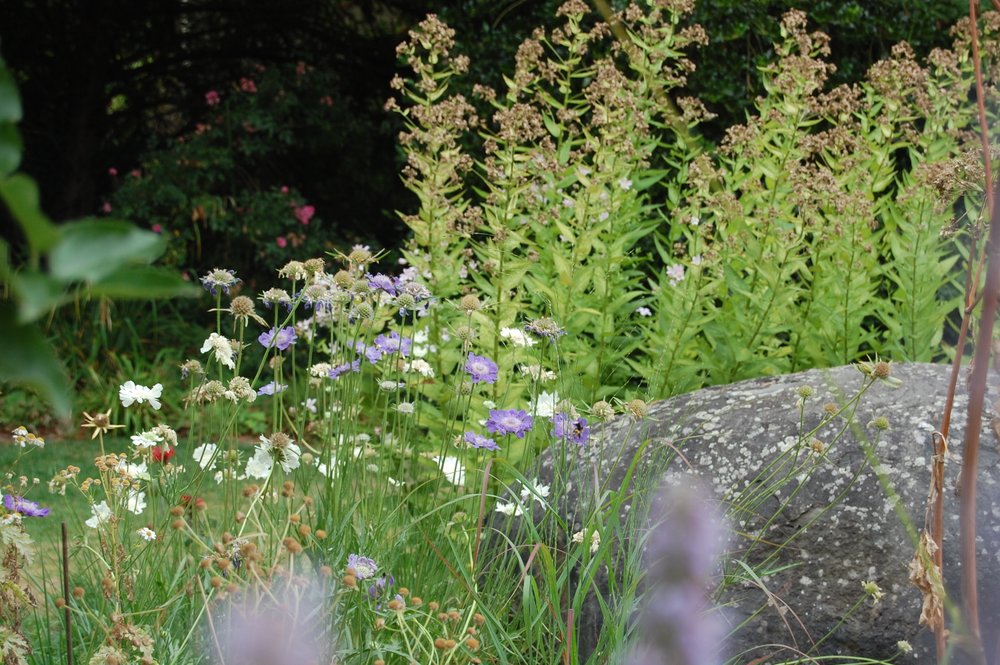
[830, 524]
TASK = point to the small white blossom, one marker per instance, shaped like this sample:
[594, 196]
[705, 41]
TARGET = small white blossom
[136, 502]
[222, 348]
[146, 439]
[259, 466]
[101, 514]
[512, 509]
[517, 337]
[625, 183]
[204, 454]
[545, 404]
[452, 469]
[406, 408]
[421, 367]
[146, 534]
[130, 393]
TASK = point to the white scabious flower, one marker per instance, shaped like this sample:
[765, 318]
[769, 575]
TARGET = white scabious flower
[421, 367]
[133, 471]
[534, 490]
[130, 393]
[452, 469]
[512, 509]
[100, 514]
[205, 454]
[517, 337]
[222, 348]
[544, 405]
[136, 502]
[259, 466]
[146, 439]
[280, 448]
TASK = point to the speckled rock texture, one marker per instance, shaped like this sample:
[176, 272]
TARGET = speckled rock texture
[765, 452]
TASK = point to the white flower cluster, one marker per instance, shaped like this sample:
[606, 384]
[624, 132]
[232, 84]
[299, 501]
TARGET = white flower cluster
[534, 489]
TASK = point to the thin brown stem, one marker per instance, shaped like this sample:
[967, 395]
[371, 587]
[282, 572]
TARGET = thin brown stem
[977, 382]
[66, 596]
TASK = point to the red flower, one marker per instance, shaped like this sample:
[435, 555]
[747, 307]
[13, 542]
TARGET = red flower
[162, 454]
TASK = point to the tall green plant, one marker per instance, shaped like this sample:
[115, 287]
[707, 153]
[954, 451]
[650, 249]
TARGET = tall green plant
[88, 258]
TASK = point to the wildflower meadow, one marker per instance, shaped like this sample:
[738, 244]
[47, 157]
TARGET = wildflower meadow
[337, 460]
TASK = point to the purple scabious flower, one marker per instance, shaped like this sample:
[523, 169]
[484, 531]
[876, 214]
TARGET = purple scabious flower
[678, 626]
[393, 343]
[545, 327]
[385, 283]
[220, 279]
[575, 430]
[281, 339]
[509, 421]
[480, 441]
[481, 369]
[362, 565]
[354, 366]
[18, 504]
[271, 388]
[372, 353]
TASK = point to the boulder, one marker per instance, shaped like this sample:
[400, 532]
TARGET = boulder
[821, 499]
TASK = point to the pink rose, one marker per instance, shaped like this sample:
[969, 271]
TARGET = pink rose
[304, 213]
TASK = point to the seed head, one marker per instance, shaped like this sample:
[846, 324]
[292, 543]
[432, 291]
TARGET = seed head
[470, 303]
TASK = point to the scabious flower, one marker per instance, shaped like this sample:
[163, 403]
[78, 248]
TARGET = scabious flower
[676, 626]
[100, 513]
[222, 348]
[212, 98]
[220, 279]
[643, 311]
[480, 441]
[281, 449]
[146, 534]
[271, 388]
[568, 428]
[354, 366]
[481, 369]
[545, 327]
[281, 339]
[146, 439]
[421, 367]
[136, 501]
[393, 343]
[384, 283]
[24, 507]
[544, 405]
[204, 454]
[363, 566]
[509, 421]
[517, 337]
[130, 393]
[452, 469]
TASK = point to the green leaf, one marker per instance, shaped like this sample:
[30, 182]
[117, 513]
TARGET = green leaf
[92, 249]
[143, 282]
[21, 195]
[10, 148]
[37, 294]
[28, 359]
[10, 100]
